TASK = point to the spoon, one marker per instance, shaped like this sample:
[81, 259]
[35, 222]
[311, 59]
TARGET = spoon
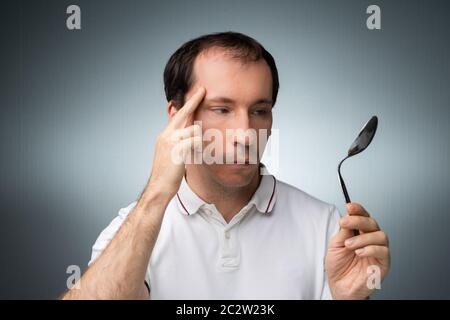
[361, 142]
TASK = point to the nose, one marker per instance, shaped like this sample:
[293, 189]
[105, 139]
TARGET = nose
[243, 134]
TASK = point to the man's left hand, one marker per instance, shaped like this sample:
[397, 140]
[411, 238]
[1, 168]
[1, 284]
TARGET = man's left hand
[350, 258]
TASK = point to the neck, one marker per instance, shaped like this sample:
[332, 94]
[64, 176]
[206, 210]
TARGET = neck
[228, 200]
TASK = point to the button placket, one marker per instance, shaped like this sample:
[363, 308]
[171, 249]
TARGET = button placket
[229, 247]
[230, 257]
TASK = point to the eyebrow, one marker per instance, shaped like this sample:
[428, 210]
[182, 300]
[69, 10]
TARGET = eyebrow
[228, 100]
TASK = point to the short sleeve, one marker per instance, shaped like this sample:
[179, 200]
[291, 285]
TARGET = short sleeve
[109, 232]
[332, 229]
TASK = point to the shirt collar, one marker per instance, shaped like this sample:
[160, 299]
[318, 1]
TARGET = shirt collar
[264, 198]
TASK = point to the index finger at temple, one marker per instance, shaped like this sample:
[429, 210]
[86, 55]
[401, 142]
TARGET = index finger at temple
[189, 107]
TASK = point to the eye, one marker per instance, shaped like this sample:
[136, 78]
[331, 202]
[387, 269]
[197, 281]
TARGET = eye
[220, 110]
[260, 112]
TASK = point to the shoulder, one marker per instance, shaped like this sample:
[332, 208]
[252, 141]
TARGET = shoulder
[290, 193]
[303, 205]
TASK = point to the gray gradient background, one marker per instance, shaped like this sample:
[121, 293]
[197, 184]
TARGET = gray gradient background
[80, 112]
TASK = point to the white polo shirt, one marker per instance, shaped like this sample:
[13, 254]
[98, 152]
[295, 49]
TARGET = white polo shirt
[274, 248]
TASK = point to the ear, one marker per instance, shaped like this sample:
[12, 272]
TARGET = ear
[171, 109]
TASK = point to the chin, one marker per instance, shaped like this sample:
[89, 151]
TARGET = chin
[234, 176]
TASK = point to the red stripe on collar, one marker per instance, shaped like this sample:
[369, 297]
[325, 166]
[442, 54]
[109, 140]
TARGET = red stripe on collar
[273, 192]
[181, 202]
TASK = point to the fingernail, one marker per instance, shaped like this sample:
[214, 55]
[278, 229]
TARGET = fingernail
[359, 251]
[344, 221]
[348, 242]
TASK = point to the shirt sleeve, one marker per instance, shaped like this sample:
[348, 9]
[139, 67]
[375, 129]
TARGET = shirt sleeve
[109, 232]
[333, 228]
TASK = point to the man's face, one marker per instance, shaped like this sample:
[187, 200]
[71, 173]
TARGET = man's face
[238, 96]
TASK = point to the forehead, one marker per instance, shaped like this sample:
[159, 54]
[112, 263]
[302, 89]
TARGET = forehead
[223, 75]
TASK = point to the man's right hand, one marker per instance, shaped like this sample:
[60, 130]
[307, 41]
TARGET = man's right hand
[125, 259]
[178, 140]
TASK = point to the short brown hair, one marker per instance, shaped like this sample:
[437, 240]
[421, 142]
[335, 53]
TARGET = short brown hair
[178, 71]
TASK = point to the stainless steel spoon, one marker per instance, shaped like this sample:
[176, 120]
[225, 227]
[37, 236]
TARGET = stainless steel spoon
[361, 142]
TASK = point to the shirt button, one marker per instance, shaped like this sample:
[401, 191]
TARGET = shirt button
[227, 235]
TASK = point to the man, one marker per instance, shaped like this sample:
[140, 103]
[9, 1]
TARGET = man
[224, 230]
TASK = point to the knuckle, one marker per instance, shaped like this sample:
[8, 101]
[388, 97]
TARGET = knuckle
[368, 250]
[388, 252]
[349, 221]
[383, 236]
[357, 206]
[359, 219]
[374, 223]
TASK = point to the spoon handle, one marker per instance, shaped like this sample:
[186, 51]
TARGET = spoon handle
[347, 200]
[344, 189]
